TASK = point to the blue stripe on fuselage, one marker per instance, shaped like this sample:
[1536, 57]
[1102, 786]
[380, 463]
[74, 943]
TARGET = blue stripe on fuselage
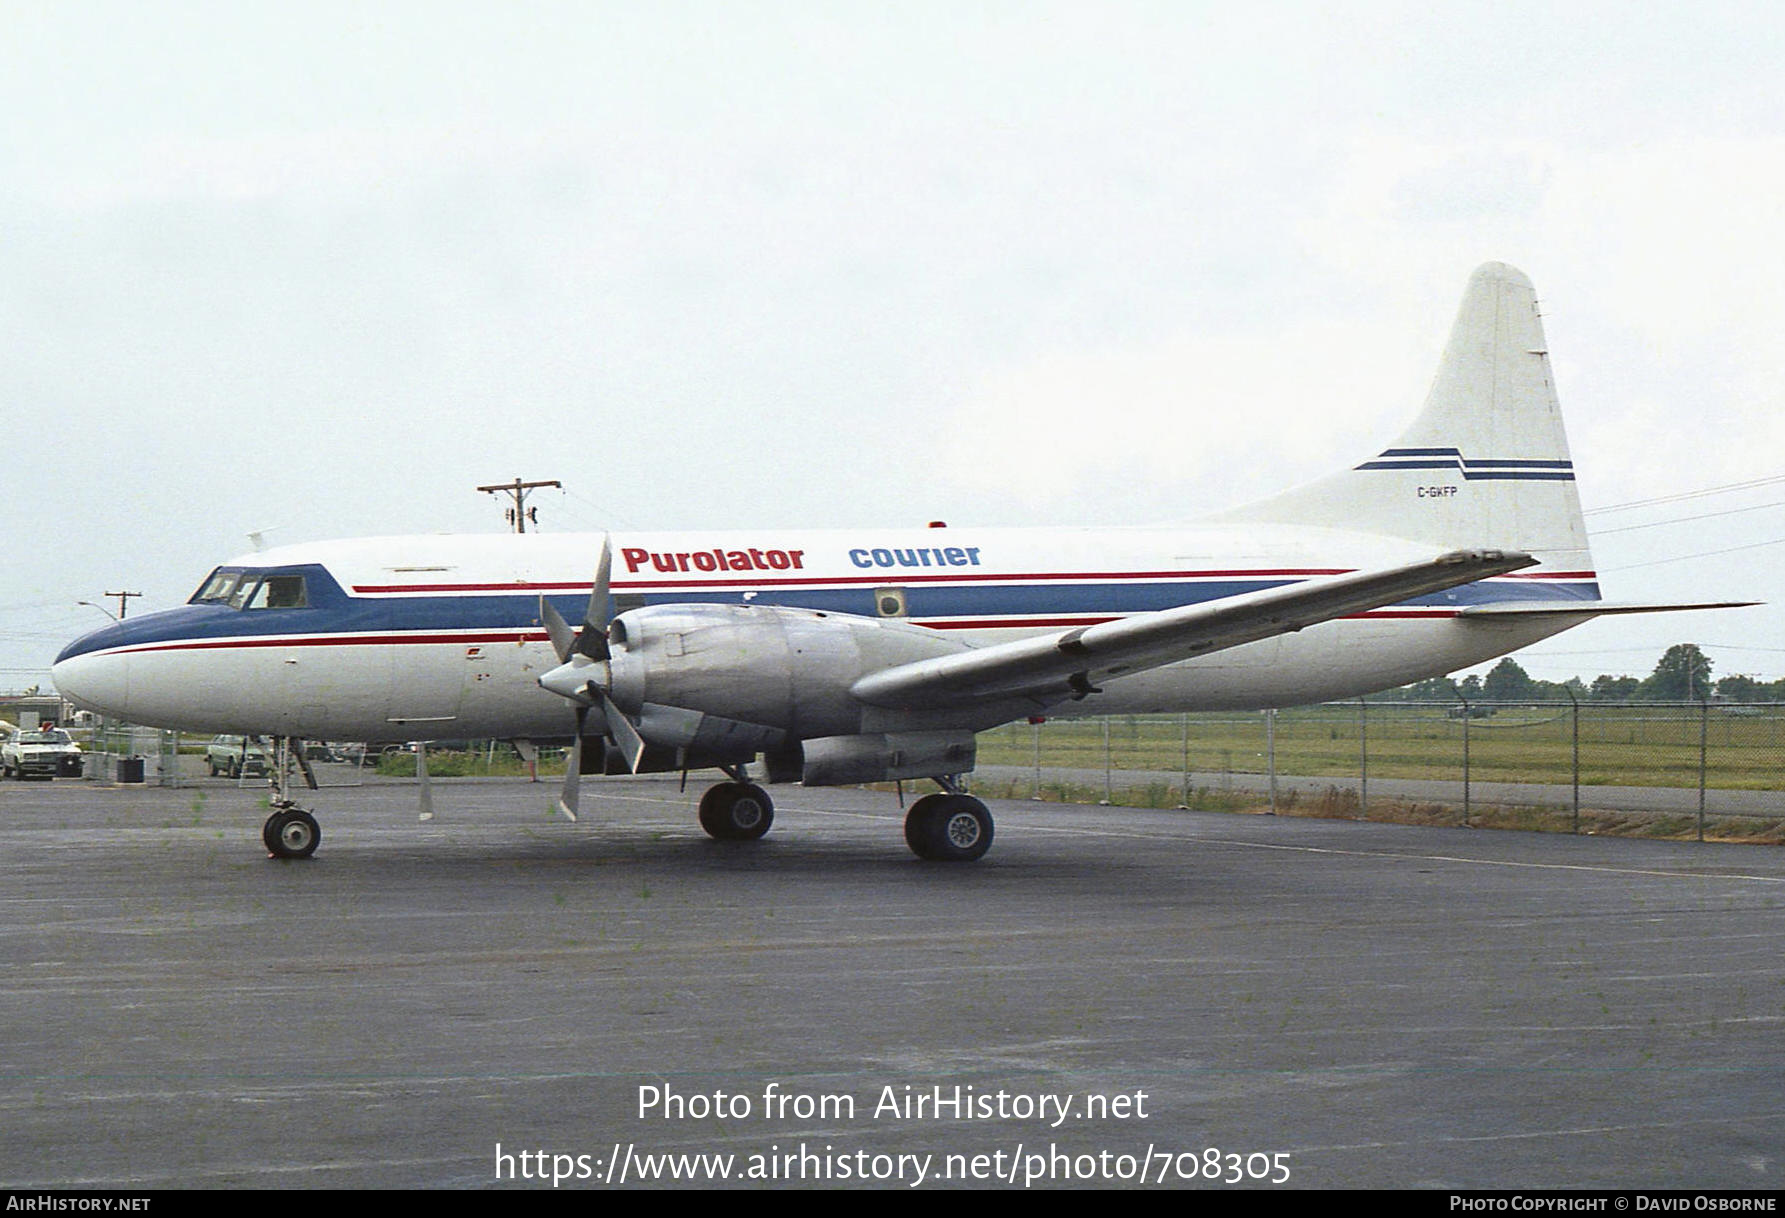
[332, 611]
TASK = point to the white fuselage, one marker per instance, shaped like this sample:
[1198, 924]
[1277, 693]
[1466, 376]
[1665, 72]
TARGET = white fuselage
[440, 637]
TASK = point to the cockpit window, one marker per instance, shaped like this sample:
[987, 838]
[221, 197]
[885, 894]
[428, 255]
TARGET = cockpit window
[241, 589]
[217, 588]
[278, 592]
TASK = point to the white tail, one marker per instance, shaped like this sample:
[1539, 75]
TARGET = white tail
[1485, 465]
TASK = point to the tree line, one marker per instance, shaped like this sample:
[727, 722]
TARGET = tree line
[1683, 674]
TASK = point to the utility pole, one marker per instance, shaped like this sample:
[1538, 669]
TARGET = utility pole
[520, 513]
[123, 601]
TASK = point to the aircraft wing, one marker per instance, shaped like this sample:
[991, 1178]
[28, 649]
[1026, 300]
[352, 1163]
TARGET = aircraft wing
[1070, 664]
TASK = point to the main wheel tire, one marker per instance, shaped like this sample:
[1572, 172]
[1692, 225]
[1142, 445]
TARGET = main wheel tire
[291, 834]
[736, 812]
[948, 828]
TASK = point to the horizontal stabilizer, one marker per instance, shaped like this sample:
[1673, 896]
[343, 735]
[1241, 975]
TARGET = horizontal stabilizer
[1591, 608]
[1069, 664]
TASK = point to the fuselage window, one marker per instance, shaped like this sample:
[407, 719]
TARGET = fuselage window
[279, 592]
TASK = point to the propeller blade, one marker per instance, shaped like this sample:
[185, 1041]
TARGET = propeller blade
[591, 640]
[573, 775]
[562, 636]
[573, 769]
[624, 734]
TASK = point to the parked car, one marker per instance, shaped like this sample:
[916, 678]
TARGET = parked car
[44, 753]
[234, 756]
[355, 753]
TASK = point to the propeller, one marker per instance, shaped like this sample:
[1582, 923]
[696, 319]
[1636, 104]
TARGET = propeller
[653, 736]
[582, 656]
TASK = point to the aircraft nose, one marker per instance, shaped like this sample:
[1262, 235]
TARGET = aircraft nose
[92, 677]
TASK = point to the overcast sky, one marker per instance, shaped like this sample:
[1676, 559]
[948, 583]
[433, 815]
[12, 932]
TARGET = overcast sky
[321, 269]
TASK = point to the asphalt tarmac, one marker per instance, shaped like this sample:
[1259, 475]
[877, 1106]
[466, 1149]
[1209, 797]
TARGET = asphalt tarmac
[1110, 997]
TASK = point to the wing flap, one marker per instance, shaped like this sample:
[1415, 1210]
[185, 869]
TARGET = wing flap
[1069, 664]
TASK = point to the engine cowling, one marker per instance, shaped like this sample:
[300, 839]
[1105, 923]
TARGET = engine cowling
[769, 666]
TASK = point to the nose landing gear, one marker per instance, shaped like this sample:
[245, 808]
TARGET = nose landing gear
[290, 832]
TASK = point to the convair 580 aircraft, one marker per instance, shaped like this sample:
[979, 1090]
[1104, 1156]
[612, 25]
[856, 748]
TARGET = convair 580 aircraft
[860, 656]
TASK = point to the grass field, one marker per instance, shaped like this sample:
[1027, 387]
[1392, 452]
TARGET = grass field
[1639, 746]
[1342, 803]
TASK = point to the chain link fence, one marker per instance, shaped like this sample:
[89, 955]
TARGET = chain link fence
[1671, 769]
[125, 752]
[1696, 769]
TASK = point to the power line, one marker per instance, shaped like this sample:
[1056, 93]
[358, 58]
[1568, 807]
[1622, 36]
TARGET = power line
[1655, 524]
[605, 513]
[1709, 490]
[1588, 651]
[1701, 554]
[1740, 647]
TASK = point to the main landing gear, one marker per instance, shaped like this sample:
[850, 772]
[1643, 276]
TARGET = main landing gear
[948, 827]
[736, 811]
[290, 832]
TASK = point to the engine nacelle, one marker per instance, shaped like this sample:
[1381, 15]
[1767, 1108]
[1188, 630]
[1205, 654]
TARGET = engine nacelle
[834, 761]
[765, 665]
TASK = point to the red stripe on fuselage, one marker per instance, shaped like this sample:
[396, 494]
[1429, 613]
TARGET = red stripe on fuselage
[893, 576]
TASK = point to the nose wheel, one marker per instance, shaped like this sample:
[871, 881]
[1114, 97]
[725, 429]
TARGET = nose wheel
[291, 833]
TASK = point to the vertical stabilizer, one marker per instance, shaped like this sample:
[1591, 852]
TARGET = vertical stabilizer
[1485, 465]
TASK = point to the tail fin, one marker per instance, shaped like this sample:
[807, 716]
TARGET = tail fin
[1486, 462]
